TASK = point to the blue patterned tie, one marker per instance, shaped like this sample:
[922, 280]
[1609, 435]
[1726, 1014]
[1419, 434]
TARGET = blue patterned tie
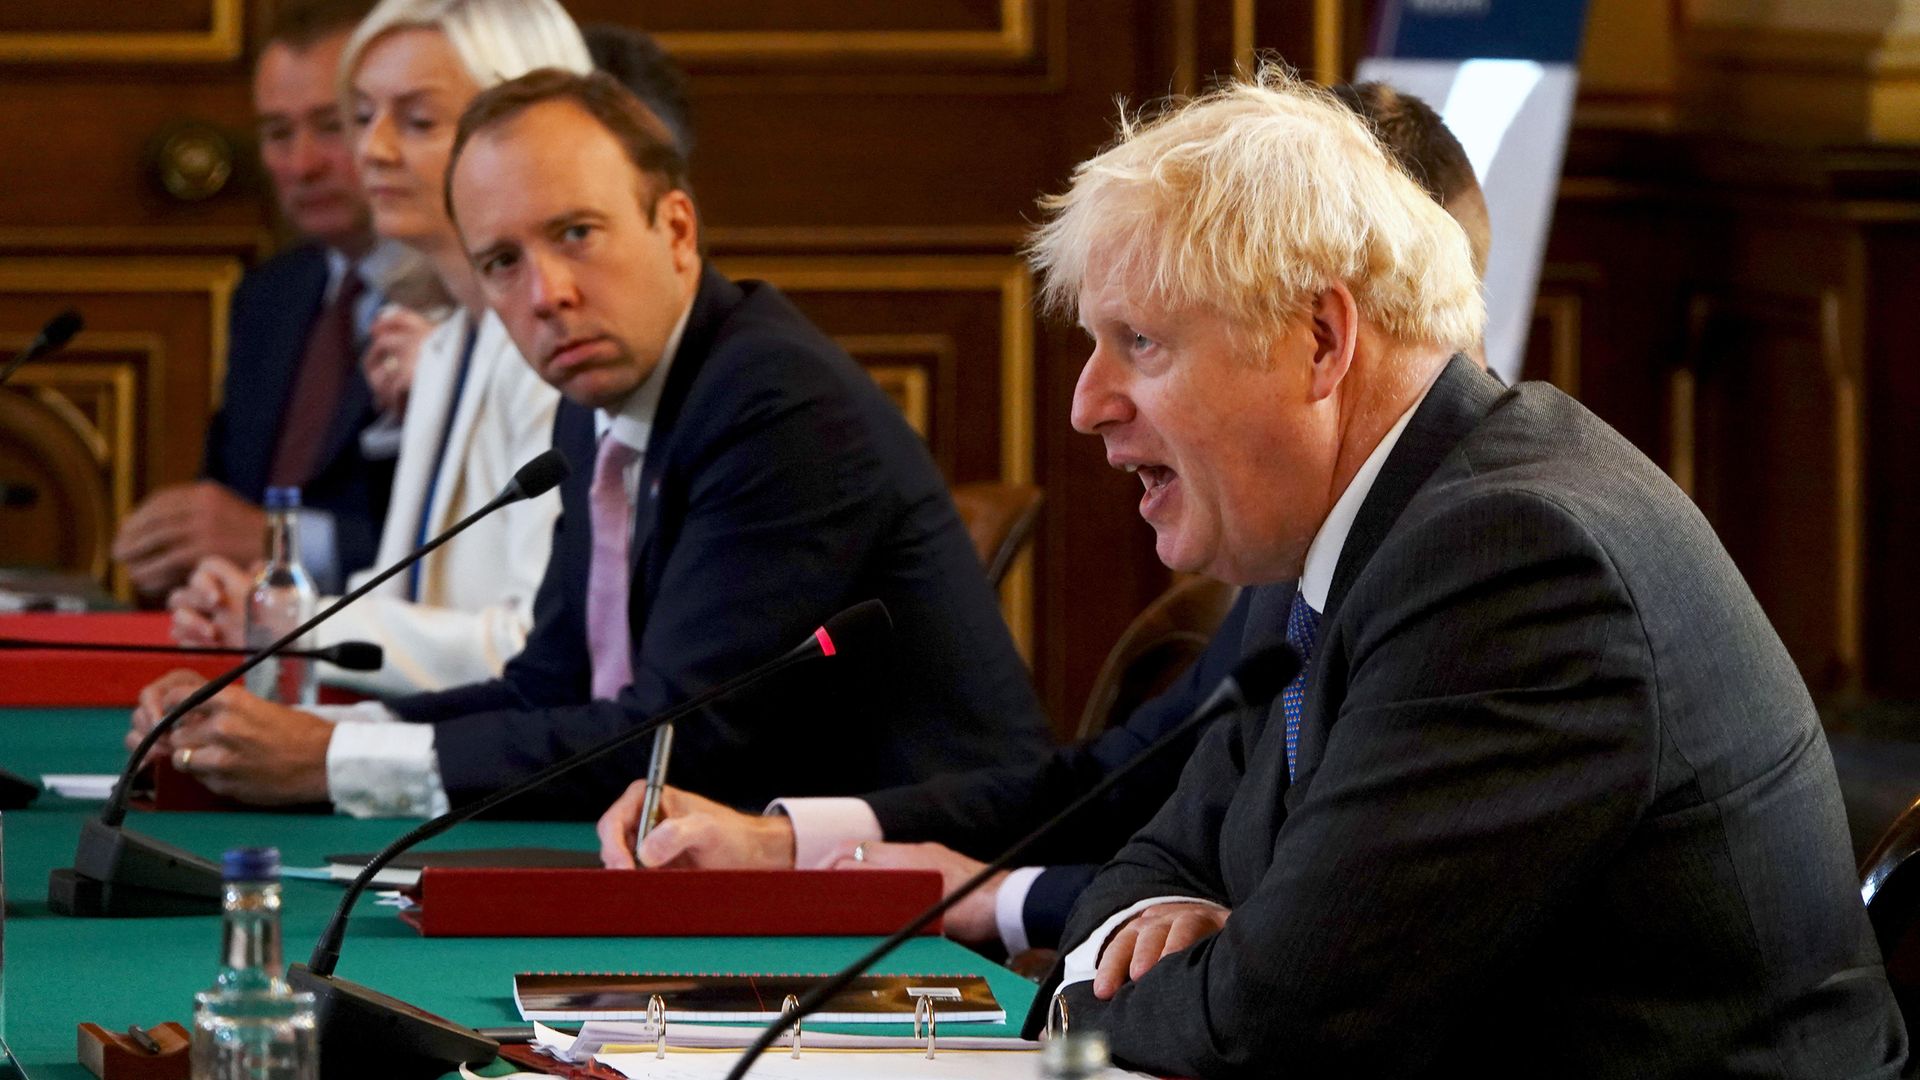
[1303, 626]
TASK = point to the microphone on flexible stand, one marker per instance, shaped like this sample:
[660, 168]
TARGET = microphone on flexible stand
[350, 655]
[1255, 680]
[366, 1033]
[117, 872]
[58, 331]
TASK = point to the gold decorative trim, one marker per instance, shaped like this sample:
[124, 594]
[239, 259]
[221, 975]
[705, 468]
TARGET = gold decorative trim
[1002, 274]
[189, 240]
[1849, 495]
[1329, 59]
[1562, 312]
[109, 437]
[1186, 47]
[1014, 40]
[221, 41]
[1682, 433]
[858, 239]
[217, 278]
[1244, 43]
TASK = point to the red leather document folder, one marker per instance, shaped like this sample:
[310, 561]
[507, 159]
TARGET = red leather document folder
[62, 678]
[66, 678]
[473, 902]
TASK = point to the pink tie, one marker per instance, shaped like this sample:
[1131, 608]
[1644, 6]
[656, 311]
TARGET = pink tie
[608, 639]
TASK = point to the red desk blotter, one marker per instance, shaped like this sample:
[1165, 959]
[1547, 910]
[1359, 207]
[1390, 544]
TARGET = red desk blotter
[475, 902]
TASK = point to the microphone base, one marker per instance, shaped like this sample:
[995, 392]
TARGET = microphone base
[366, 1033]
[122, 874]
[16, 792]
[70, 892]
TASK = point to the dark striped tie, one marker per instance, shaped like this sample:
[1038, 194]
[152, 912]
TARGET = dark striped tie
[1303, 627]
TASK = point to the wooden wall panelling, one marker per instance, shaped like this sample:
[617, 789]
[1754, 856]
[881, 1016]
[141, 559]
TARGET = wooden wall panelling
[136, 387]
[176, 31]
[1891, 392]
[1777, 465]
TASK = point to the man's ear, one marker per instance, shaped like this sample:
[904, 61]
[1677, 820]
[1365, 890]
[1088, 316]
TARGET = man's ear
[1335, 322]
[675, 210]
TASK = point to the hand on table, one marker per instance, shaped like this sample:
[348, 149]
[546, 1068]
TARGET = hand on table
[393, 347]
[237, 744]
[176, 527]
[211, 608]
[1152, 936]
[693, 832]
[971, 920]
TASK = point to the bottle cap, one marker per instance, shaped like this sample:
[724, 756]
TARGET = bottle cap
[283, 498]
[251, 864]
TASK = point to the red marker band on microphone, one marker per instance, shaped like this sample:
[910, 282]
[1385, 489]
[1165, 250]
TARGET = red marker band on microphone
[826, 641]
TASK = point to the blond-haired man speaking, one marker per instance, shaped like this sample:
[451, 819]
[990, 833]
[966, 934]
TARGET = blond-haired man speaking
[1548, 797]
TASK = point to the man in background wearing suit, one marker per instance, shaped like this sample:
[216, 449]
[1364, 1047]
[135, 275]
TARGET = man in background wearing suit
[737, 480]
[294, 401]
[957, 819]
[1547, 797]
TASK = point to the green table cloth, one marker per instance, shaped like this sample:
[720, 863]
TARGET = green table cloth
[61, 971]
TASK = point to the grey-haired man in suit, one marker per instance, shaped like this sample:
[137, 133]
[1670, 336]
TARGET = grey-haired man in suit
[1547, 797]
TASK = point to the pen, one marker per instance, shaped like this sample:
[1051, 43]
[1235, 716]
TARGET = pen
[142, 1040]
[656, 778]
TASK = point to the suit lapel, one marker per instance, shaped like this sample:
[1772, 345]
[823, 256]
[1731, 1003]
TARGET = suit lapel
[1460, 399]
[276, 363]
[488, 343]
[712, 301]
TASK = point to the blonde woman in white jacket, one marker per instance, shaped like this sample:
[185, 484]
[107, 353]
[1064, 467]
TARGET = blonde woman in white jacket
[464, 611]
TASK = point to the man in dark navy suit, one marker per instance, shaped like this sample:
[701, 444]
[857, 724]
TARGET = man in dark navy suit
[738, 479]
[295, 402]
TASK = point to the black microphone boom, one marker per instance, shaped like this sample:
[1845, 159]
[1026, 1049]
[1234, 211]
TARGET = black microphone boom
[117, 872]
[58, 331]
[1255, 681]
[366, 1033]
[351, 655]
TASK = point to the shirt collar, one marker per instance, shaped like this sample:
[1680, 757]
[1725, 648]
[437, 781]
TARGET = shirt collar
[1323, 555]
[632, 422]
[372, 269]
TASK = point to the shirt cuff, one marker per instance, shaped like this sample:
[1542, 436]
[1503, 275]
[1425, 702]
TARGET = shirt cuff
[319, 548]
[819, 825]
[377, 767]
[1010, 907]
[1084, 961]
[380, 440]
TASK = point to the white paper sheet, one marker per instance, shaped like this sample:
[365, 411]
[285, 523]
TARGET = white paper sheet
[80, 785]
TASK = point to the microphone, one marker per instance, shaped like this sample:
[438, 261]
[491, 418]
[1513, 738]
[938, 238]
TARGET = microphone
[1255, 680]
[58, 331]
[116, 872]
[366, 1033]
[351, 655]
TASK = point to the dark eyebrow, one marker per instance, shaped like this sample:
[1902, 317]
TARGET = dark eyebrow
[570, 217]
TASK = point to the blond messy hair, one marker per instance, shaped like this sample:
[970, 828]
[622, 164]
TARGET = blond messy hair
[1250, 202]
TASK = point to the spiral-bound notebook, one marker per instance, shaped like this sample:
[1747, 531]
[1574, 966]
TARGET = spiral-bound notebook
[871, 999]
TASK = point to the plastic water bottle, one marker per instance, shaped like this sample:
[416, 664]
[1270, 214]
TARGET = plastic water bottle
[283, 597]
[251, 1025]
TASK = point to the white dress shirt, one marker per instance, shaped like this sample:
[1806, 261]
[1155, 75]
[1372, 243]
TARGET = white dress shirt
[378, 766]
[1316, 579]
